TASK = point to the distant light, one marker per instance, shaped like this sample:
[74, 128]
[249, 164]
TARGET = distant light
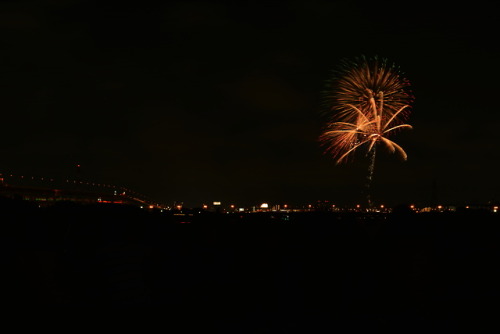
[217, 203]
[440, 207]
[358, 206]
[412, 206]
[264, 206]
[151, 206]
[142, 207]
[382, 206]
[285, 206]
[205, 206]
[241, 209]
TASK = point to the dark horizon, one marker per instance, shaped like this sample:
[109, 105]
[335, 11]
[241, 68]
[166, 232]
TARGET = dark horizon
[294, 273]
[220, 101]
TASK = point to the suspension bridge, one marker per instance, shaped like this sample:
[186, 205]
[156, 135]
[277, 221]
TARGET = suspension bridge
[46, 191]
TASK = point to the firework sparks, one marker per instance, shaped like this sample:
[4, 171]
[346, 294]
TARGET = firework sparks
[345, 138]
[370, 100]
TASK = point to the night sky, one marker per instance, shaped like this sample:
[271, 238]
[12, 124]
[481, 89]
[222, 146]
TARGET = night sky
[202, 101]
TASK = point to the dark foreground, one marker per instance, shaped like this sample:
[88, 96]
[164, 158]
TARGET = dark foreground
[258, 273]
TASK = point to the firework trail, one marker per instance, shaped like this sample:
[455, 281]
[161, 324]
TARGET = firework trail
[368, 101]
[369, 178]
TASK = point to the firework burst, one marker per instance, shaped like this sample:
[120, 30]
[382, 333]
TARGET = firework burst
[368, 101]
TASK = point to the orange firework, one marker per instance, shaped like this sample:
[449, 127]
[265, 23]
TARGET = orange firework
[344, 137]
[369, 100]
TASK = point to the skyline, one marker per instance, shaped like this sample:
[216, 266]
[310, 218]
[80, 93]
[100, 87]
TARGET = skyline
[192, 101]
[49, 191]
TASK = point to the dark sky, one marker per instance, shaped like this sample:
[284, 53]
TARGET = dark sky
[200, 101]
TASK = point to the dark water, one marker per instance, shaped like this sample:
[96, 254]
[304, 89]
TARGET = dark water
[310, 272]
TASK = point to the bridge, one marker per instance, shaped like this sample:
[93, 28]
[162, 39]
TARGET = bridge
[47, 191]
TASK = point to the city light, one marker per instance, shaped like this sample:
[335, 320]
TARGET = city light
[133, 197]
